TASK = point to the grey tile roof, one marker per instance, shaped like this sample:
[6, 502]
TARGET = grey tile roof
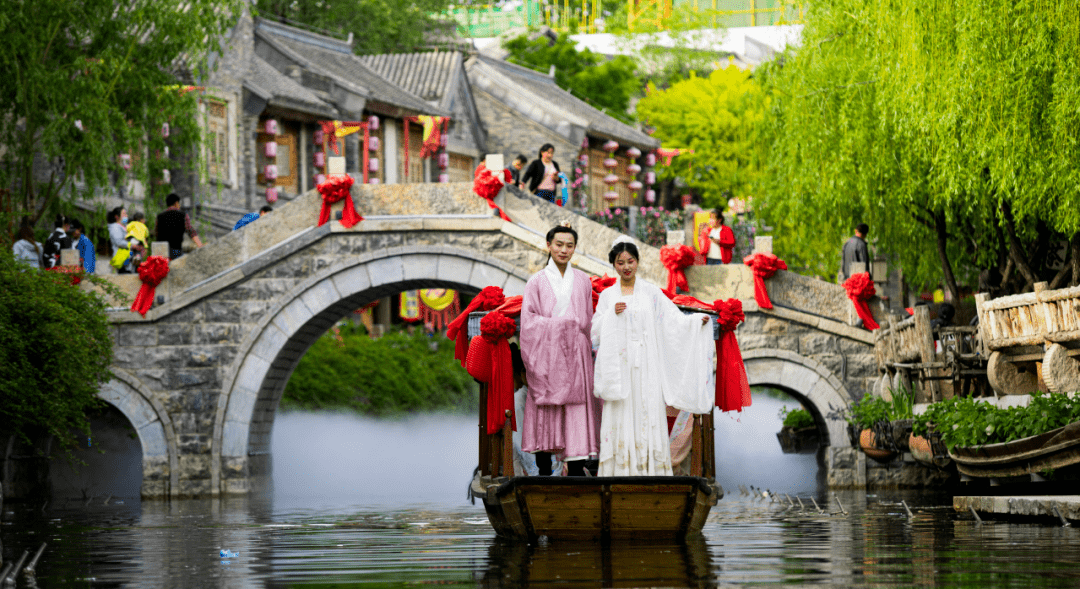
[429, 75]
[335, 58]
[600, 124]
[281, 90]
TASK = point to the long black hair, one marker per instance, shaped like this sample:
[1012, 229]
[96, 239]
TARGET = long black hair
[560, 229]
[623, 246]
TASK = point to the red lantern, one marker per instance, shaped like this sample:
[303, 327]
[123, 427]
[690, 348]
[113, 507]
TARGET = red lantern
[634, 186]
[270, 149]
[320, 159]
[320, 178]
[444, 178]
[270, 172]
[270, 127]
[317, 137]
[444, 140]
[611, 179]
[611, 146]
[373, 164]
[633, 169]
[373, 123]
[610, 163]
[373, 144]
[650, 159]
[650, 177]
[444, 160]
[611, 195]
[633, 152]
[373, 180]
[271, 195]
[650, 196]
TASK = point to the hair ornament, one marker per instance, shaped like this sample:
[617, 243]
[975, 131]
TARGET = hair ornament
[621, 239]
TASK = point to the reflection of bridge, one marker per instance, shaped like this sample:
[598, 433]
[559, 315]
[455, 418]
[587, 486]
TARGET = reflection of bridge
[201, 376]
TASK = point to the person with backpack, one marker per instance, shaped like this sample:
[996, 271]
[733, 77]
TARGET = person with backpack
[58, 240]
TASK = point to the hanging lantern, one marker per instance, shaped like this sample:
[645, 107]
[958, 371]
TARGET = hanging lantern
[373, 180]
[610, 163]
[650, 196]
[633, 169]
[270, 172]
[633, 152]
[650, 177]
[611, 179]
[444, 140]
[320, 179]
[584, 159]
[166, 152]
[164, 129]
[650, 159]
[125, 160]
[319, 159]
[166, 176]
[611, 146]
[444, 160]
[444, 178]
[635, 186]
[318, 136]
[270, 149]
[373, 123]
[373, 164]
[270, 127]
[611, 195]
[271, 195]
[373, 144]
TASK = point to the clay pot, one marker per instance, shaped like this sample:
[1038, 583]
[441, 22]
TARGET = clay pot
[866, 443]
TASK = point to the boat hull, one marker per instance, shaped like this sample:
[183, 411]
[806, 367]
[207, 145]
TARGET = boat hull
[597, 508]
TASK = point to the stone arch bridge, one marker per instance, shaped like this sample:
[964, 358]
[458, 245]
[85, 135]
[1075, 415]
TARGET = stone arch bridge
[201, 375]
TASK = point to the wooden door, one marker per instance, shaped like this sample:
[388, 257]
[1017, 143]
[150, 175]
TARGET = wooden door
[286, 160]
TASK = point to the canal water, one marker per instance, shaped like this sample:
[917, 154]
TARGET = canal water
[361, 502]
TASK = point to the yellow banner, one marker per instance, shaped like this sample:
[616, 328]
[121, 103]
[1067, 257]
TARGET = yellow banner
[437, 299]
[410, 306]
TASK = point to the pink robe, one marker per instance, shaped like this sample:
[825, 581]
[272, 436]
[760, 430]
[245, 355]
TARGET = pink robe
[561, 414]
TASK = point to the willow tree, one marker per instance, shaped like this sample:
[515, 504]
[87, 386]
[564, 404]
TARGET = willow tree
[87, 89]
[950, 127]
[715, 116]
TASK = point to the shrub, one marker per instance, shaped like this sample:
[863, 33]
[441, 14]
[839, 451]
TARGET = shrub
[969, 422]
[796, 419]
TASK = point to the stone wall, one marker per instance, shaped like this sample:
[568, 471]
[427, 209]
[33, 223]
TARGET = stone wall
[510, 134]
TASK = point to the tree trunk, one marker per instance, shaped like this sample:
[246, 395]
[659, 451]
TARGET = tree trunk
[1066, 270]
[943, 255]
[1074, 245]
[1016, 252]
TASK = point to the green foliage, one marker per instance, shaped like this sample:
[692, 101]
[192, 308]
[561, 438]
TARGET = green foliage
[606, 84]
[110, 69]
[715, 116]
[652, 225]
[868, 411]
[394, 374]
[797, 418]
[55, 352]
[954, 126]
[378, 26]
[969, 422]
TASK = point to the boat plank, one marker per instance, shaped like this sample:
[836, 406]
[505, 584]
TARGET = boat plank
[552, 499]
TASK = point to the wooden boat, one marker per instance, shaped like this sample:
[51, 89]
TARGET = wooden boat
[593, 508]
[1051, 450]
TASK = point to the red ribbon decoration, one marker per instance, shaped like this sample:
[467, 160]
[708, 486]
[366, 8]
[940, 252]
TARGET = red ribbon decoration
[487, 186]
[676, 258]
[601, 284]
[732, 386]
[764, 266]
[152, 271]
[489, 361]
[511, 307]
[489, 298]
[333, 190]
[75, 272]
[860, 288]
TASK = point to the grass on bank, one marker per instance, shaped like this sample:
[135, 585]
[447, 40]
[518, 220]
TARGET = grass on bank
[396, 374]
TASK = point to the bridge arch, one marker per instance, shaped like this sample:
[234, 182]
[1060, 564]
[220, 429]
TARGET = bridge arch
[271, 351]
[807, 380]
[160, 458]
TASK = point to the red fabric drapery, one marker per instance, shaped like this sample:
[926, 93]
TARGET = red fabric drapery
[487, 186]
[489, 298]
[152, 271]
[764, 266]
[333, 190]
[732, 386]
[511, 307]
[676, 258]
[598, 286]
[860, 289]
[489, 356]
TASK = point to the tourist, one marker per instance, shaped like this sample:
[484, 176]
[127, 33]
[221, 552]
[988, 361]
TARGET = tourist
[26, 249]
[515, 169]
[87, 255]
[721, 240]
[172, 224]
[543, 174]
[58, 240]
[248, 218]
[855, 251]
[120, 260]
[138, 235]
[561, 415]
[650, 356]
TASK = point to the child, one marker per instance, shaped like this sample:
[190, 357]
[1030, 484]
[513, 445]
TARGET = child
[137, 234]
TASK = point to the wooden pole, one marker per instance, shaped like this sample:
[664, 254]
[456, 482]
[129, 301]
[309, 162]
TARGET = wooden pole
[485, 457]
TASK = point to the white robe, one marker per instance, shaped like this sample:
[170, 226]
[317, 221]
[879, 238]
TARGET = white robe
[650, 356]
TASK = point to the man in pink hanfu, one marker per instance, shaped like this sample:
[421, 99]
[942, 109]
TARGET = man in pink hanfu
[561, 414]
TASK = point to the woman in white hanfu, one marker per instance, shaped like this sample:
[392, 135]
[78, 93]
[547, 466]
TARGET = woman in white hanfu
[561, 415]
[650, 355]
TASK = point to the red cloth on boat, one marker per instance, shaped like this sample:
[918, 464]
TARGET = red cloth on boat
[336, 188]
[764, 266]
[495, 329]
[489, 298]
[860, 289]
[676, 258]
[512, 306]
